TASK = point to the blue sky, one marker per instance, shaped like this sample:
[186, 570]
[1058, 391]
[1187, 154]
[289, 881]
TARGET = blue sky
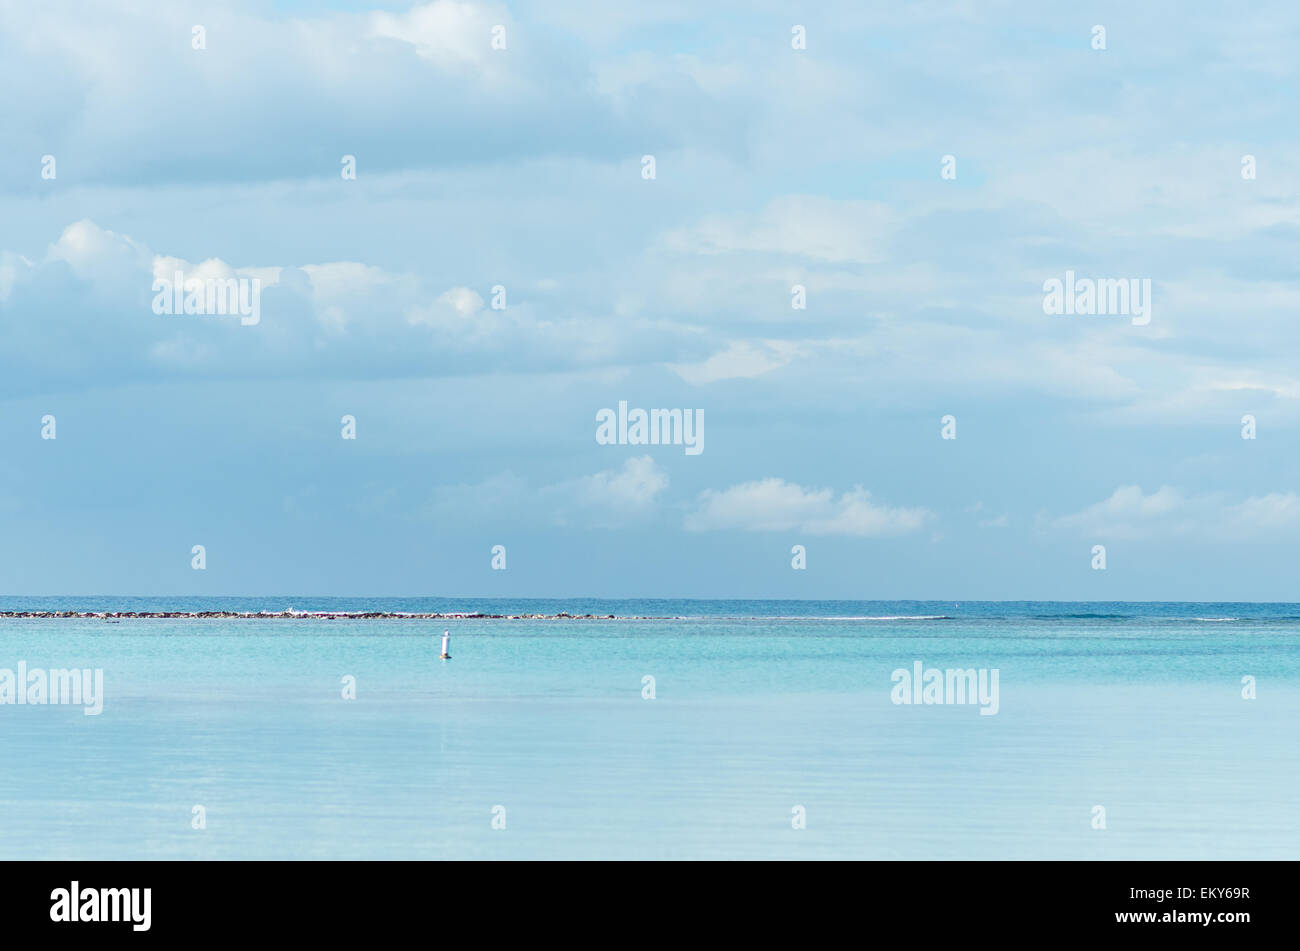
[522, 168]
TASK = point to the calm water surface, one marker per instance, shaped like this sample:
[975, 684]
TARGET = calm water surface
[759, 707]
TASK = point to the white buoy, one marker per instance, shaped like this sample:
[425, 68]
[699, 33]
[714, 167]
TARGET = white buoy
[446, 645]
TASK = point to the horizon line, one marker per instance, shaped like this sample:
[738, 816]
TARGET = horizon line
[584, 597]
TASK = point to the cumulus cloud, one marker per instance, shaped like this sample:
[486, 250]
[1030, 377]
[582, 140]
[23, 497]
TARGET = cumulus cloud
[446, 33]
[774, 505]
[454, 310]
[928, 284]
[93, 291]
[386, 86]
[94, 252]
[632, 488]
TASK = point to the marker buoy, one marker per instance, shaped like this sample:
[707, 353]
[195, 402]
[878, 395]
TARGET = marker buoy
[446, 645]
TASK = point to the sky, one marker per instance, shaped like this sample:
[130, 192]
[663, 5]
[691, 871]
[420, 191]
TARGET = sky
[920, 171]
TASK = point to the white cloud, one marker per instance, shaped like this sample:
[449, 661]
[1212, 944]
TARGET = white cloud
[1276, 511]
[632, 488]
[451, 311]
[95, 253]
[605, 499]
[212, 269]
[741, 360]
[774, 505]
[1129, 513]
[341, 318]
[810, 226]
[338, 278]
[13, 267]
[448, 34]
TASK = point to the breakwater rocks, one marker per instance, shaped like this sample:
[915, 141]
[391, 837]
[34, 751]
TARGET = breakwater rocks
[318, 616]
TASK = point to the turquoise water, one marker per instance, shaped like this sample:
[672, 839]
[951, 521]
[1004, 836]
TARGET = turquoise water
[759, 707]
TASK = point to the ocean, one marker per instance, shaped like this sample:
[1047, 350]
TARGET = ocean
[679, 729]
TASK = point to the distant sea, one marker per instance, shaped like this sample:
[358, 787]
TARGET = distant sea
[763, 713]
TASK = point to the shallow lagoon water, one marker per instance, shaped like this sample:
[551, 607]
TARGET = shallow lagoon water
[1134, 707]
